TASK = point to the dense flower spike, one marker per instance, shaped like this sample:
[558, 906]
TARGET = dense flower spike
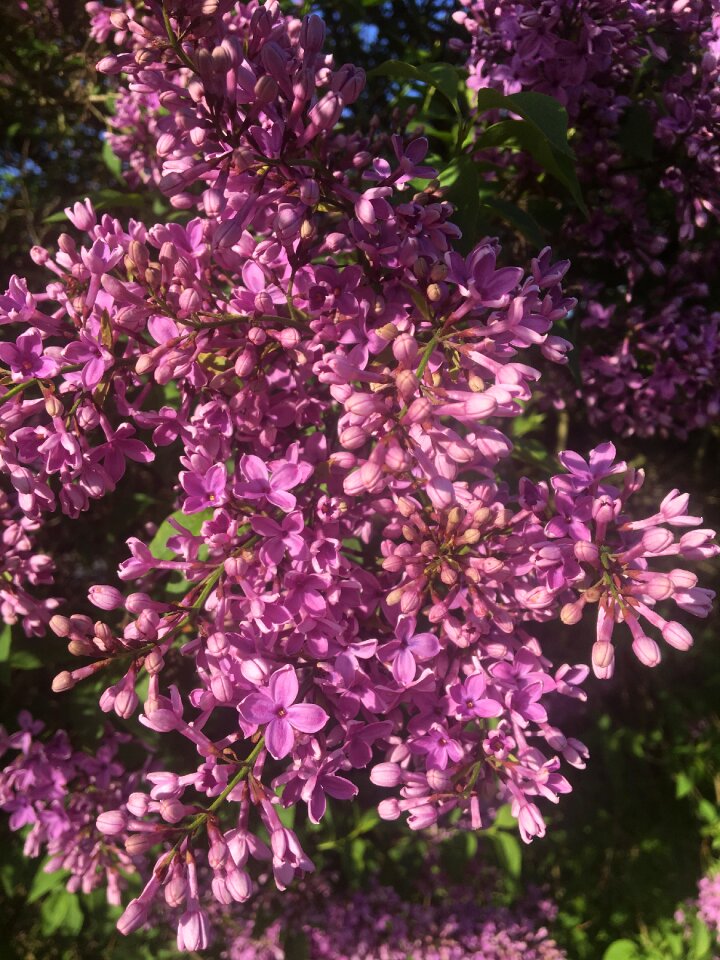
[350, 580]
[639, 81]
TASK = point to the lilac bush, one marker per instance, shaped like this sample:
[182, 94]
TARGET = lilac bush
[351, 583]
[639, 83]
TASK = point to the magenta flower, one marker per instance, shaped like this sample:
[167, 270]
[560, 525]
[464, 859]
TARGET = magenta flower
[471, 700]
[277, 708]
[280, 537]
[439, 747]
[261, 485]
[409, 648]
[26, 358]
[204, 490]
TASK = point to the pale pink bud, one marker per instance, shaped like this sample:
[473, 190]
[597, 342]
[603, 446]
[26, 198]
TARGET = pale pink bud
[572, 613]
[656, 540]
[603, 654]
[419, 410]
[245, 362]
[266, 89]
[683, 579]
[364, 404]
[389, 809]
[586, 552]
[111, 822]
[386, 775]
[353, 437]
[105, 597]
[138, 804]
[62, 682]
[441, 492]
[138, 844]
[407, 384]
[134, 916]
[405, 349]
[646, 650]
[677, 636]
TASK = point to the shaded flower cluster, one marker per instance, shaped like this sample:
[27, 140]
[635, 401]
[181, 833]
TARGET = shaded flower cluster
[347, 580]
[59, 792]
[379, 923]
[639, 82]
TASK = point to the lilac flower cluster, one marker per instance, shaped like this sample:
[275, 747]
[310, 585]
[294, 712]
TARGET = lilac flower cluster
[349, 580]
[59, 792]
[639, 81]
[380, 923]
[708, 903]
[22, 568]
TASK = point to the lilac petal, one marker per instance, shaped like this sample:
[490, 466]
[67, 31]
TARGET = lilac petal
[273, 551]
[575, 464]
[424, 645]
[279, 738]
[216, 478]
[317, 806]
[475, 686]
[307, 717]
[9, 355]
[286, 501]
[192, 484]
[338, 787]
[487, 708]
[404, 667]
[286, 477]
[283, 686]
[314, 603]
[254, 468]
[257, 708]
[293, 523]
[30, 342]
[266, 527]
[296, 545]
[405, 628]
[92, 373]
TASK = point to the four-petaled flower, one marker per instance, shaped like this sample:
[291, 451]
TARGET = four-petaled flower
[277, 708]
[471, 700]
[206, 490]
[407, 649]
[26, 358]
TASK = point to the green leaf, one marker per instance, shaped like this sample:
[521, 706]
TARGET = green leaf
[440, 76]
[504, 820]
[5, 642]
[531, 139]
[622, 950]
[683, 785]
[112, 162]
[700, 942]
[523, 222]
[545, 113]
[509, 852]
[44, 882]
[24, 660]
[460, 181]
[192, 522]
[61, 910]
